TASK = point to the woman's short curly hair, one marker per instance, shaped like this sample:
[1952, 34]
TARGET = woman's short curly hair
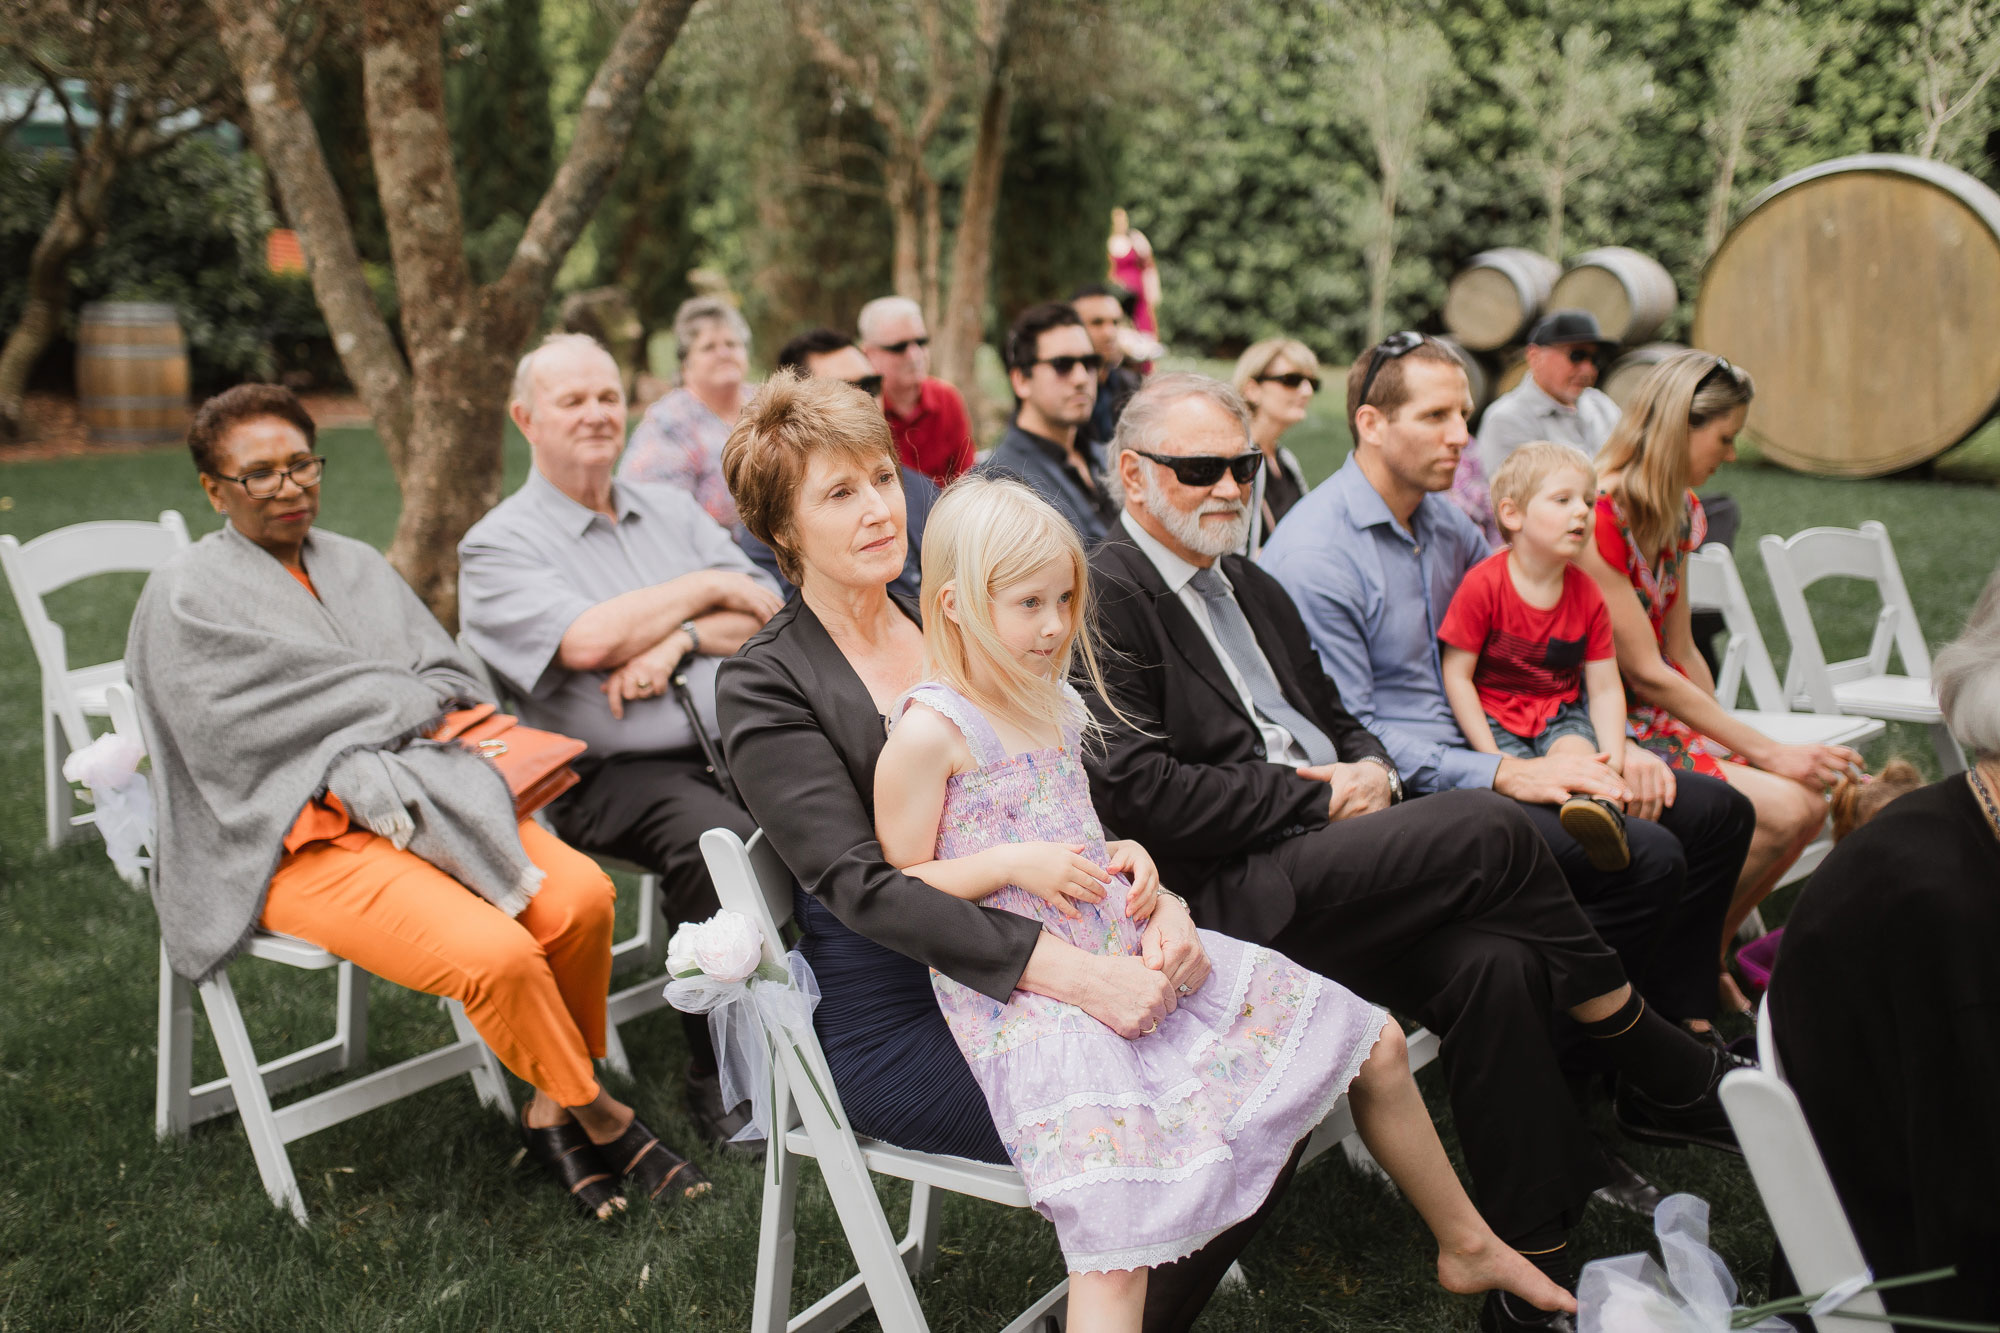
[792, 418]
[232, 407]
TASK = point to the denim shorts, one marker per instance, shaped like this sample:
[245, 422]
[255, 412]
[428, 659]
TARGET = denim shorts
[1571, 719]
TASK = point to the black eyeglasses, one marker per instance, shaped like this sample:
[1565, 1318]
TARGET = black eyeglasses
[267, 482]
[1389, 349]
[1207, 469]
[1291, 379]
[1065, 365]
[897, 349]
[868, 384]
[1579, 355]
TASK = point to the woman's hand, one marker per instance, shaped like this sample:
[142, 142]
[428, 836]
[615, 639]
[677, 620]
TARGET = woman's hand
[650, 673]
[1055, 872]
[1136, 864]
[1125, 995]
[1172, 946]
[1814, 766]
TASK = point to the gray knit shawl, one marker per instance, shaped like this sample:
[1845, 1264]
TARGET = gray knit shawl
[255, 698]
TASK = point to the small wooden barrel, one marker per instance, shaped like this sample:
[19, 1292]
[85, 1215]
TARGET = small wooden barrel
[1864, 295]
[1631, 294]
[1622, 380]
[1476, 378]
[132, 373]
[1496, 297]
[1513, 369]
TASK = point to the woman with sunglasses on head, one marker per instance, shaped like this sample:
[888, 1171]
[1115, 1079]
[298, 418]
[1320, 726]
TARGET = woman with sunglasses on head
[288, 682]
[1681, 426]
[1277, 378]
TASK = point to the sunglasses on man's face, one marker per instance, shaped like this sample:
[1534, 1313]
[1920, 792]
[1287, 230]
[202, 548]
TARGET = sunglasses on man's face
[1065, 366]
[897, 349]
[1291, 379]
[868, 384]
[1207, 469]
[1579, 355]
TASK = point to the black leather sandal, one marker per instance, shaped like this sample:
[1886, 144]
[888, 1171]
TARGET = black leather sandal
[639, 1156]
[578, 1165]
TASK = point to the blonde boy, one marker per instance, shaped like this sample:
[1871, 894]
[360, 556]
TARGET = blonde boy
[1528, 636]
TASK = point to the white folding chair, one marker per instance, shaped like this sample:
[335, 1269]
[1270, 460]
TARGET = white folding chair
[810, 1123]
[247, 1085]
[39, 567]
[1714, 585]
[1791, 1178]
[647, 944]
[1860, 686]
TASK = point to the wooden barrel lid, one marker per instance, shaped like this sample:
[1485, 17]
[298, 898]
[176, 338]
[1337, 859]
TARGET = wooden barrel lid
[1492, 301]
[1631, 294]
[1628, 370]
[1864, 296]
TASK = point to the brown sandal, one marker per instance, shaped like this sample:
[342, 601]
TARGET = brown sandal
[577, 1164]
[639, 1156]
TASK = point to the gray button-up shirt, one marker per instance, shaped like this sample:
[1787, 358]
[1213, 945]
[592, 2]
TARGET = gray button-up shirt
[1525, 412]
[539, 560]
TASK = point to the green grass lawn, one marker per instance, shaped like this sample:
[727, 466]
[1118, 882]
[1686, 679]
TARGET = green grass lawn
[422, 1219]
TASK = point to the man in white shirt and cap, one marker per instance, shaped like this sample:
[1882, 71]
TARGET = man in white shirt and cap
[1558, 398]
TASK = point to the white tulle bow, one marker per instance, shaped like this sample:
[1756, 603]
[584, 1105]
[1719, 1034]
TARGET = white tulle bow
[745, 1017]
[109, 766]
[1692, 1294]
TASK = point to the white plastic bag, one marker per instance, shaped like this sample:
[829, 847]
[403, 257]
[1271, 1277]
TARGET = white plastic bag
[1692, 1294]
[109, 766]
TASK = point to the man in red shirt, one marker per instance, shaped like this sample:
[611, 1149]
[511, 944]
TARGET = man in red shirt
[927, 416]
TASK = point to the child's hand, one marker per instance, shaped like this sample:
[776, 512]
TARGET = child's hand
[1136, 864]
[1055, 872]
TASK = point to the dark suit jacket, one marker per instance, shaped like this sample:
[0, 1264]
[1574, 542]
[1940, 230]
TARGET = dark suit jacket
[801, 736]
[1186, 776]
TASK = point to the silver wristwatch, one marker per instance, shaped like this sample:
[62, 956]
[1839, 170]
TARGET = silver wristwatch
[694, 637]
[1395, 778]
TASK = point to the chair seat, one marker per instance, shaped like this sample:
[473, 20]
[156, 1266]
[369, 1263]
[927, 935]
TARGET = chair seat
[88, 685]
[1897, 698]
[1810, 728]
[960, 1175]
[290, 950]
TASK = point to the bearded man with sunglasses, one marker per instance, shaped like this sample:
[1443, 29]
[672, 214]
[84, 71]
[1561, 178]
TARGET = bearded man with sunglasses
[1280, 818]
[1558, 398]
[1053, 366]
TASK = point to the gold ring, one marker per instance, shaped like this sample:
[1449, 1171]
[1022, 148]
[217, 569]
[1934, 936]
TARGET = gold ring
[1151, 1030]
[1183, 988]
[643, 683]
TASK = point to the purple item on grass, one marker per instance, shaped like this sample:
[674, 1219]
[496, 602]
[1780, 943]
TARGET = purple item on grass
[1758, 957]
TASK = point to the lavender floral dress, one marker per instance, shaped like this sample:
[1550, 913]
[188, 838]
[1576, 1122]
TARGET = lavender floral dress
[1139, 1151]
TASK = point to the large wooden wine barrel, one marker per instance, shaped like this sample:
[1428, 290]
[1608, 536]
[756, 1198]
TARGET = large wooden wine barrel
[1864, 296]
[132, 373]
[1495, 298]
[1476, 378]
[1622, 380]
[1631, 294]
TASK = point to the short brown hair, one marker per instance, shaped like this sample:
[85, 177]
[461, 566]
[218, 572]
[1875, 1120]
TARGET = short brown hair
[232, 407]
[1391, 388]
[792, 418]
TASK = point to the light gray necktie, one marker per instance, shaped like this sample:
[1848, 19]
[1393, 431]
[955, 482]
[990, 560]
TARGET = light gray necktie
[1240, 643]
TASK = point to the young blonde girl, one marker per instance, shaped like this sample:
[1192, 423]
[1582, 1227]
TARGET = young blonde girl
[1140, 1150]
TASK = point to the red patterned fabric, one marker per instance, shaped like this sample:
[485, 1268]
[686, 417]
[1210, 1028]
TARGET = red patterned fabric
[1530, 659]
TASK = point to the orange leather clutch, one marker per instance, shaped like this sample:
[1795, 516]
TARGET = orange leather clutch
[536, 764]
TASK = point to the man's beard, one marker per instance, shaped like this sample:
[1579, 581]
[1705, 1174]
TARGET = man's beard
[1209, 539]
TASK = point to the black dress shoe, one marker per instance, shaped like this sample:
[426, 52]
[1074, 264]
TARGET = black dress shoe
[1701, 1121]
[716, 1122]
[1628, 1189]
[1503, 1313]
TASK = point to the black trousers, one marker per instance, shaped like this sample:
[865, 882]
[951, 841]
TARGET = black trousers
[651, 809]
[1452, 909]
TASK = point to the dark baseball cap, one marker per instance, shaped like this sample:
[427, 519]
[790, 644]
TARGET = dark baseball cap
[1559, 328]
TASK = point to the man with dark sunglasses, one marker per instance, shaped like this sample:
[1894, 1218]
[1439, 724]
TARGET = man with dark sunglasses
[1557, 399]
[1053, 366]
[927, 416]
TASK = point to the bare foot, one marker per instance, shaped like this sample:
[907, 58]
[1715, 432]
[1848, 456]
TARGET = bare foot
[1731, 995]
[1492, 1265]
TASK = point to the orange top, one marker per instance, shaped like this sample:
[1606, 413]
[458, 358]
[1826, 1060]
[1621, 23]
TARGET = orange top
[323, 820]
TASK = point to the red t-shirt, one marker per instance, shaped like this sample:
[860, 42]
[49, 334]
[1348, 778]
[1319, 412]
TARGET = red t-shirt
[936, 439]
[1530, 660]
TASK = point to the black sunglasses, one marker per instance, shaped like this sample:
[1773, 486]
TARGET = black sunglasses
[1389, 349]
[868, 384]
[897, 349]
[1291, 379]
[1063, 365]
[1579, 355]
[1721, 367]
[1207, 469]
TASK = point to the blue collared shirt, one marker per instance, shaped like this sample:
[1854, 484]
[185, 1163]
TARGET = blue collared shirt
[1373, 593]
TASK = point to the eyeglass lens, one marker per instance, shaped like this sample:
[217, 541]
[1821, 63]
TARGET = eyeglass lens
[1292, 379]
[897, 349]
[1064, 365]
[1579, 355]
[869, 384]
[267, 483]
[1207, 469]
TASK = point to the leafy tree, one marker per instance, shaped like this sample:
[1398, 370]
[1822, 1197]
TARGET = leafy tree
[1957, 54]
[1757, 80]
[502, 134]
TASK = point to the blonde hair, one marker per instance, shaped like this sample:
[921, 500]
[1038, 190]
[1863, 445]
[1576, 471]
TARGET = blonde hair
[1531, 465]
[1649, 446]
[1258, 357]
[791, 418]
[984, 534]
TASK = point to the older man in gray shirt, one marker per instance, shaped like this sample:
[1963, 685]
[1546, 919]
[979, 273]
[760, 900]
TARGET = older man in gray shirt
[1558, 398]
[587, 595]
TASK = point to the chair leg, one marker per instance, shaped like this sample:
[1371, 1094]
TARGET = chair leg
[489, 1076]
[1951, 759]
[925, 1218]
[777, 1241]
[253, 1101]
[615, 1058]
[56, 789]
[174, 1068]
[652, 927]
[351, 1017]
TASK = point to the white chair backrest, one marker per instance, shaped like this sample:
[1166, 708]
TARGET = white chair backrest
[1798, 1194]
[1714, 585]
[1797, 562]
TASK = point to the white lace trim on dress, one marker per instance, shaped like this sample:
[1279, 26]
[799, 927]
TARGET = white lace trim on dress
[1239, 989]
[1164, 1175]
[1112, 1101]
[1140, 1256]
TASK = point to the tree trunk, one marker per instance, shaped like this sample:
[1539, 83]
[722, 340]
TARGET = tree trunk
[71, 227]
[933, 242]
[959, 332]
[1555, 200]
[454, 472]
[899, 187]
[1718, 204]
